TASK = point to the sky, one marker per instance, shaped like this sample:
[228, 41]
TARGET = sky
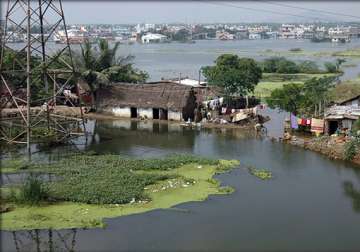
[129, 12]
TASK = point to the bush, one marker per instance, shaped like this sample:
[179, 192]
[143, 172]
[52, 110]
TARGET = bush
[309, 67]
[330, 67]
[351, 149]
[287, 67]
[279, 65]
[297, 49]
[33, 191]
[355, 127]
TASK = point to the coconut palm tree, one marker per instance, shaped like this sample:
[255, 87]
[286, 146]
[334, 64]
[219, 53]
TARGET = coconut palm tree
[100, 65]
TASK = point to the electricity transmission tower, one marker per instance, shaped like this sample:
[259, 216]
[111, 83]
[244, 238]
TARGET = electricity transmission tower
[35, 66]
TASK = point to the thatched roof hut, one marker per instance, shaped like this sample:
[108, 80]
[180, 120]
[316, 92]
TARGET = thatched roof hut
[163, 95]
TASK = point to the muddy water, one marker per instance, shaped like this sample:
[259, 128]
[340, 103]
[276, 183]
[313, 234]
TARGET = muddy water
[312, 203]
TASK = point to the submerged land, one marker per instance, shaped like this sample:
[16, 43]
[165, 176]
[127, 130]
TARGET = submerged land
[90, 188]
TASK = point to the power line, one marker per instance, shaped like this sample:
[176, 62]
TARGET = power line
[310, 9]
[254, 9]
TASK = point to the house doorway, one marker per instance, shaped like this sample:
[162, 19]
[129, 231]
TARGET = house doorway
[133, 112]
[163, 114]
[156, 113]
[333, 126]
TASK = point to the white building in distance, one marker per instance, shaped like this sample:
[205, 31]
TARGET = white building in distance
[153, 38]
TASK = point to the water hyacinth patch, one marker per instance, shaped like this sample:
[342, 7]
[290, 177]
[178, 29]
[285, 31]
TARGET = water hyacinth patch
[260, 173]
[112, 179]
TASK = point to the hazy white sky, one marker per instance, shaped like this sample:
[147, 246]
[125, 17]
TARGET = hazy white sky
[204, 11]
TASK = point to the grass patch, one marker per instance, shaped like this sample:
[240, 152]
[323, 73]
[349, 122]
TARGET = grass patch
[264, 88]
[260, 173]
[354, 52]
[294, 77]
[272, 81]
[104, 186]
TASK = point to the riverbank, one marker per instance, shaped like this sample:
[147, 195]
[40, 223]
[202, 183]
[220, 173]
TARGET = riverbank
[103, 193]
[333, 147]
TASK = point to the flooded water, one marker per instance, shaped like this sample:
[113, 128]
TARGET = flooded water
[312, 203]
[170, 59]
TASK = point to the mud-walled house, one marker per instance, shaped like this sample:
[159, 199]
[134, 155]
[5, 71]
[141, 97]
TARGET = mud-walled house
[164, 100]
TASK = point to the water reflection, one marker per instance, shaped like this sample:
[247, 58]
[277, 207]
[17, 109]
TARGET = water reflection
[296, 202]
[353, 194]
[44, 240]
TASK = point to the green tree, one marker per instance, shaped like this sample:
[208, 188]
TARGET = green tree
[309, 67]
[290, 98]
[279, 65]
[338, 64]
[270, 65]
[355, 127]
[316, 92]
[330, 67]
[235, 75]
[100, 66]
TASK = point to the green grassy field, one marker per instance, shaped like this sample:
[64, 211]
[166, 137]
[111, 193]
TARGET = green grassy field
[264, 88]
[272, 81]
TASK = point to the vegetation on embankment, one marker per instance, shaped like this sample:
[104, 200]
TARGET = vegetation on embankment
[93, 187]
[340, 148]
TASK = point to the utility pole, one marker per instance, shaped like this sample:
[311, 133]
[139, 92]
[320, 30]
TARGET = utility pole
[24, 16]
[199, 76]
[28, 80]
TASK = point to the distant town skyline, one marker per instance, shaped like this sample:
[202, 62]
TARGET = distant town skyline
[126, 12]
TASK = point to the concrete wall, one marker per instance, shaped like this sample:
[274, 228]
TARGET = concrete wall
[173, 115]
[142, 112]
[145, 112]
[121, 112]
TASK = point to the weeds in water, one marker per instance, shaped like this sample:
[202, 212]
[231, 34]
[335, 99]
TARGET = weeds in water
[32, 191]
[111, 179]
[262, 174]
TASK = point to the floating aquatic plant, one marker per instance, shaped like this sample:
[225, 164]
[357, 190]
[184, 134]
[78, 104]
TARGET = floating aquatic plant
[260, 173]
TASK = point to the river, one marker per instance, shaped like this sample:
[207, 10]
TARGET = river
[312, 203]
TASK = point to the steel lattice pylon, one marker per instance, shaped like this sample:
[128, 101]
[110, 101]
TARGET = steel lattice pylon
[34, 66]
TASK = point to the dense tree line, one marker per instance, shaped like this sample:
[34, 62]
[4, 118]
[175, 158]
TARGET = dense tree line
[282, 65]
[309, 98]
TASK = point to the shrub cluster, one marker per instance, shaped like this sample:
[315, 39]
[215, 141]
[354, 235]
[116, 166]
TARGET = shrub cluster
[351, 149]
[32, 191]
